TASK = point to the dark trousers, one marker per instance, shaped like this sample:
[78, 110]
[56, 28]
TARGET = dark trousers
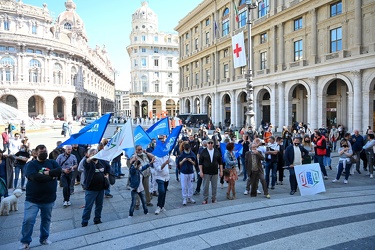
[255, 176]
[65, 181]
[199, 184]
[319, 159]
[292, 180]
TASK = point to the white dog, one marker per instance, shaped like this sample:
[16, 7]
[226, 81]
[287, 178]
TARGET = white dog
[10, 203]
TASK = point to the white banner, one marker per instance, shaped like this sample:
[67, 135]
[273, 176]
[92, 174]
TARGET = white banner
[238, 50]
[309, 179]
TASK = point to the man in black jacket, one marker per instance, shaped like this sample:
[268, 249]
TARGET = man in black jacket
[209, 161]
[40, 195]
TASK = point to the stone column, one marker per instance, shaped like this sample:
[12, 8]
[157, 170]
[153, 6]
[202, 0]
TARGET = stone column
[280, 29]
[357, 97]
[201, 103]
[273, 49]
[218, 108]
[313, 103]
[366, 110]
[281, 108]
[314, 37]
[273, 104]
[358, 26]
[233, 111]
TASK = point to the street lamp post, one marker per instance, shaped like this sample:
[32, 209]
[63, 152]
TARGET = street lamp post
[249, 76]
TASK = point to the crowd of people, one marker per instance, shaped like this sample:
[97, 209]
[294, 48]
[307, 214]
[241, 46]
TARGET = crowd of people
[199, 165]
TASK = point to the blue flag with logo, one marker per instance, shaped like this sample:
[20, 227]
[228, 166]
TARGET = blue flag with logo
[91, 133]
[140, 138]
[237, 149]
[163, 149]
[159, 128]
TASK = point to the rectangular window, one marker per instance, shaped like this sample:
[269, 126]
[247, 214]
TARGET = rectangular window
[11, 49]
[156, 50]
[135, 51]
[29, 50]
[226, 71]
[196, 78]
[156, 87]
[3, 48]
[143, 38]
[186, 35]
[226, 52]
[298, 50]
[225, 28]
[207, 21]
[169, 40]
[207, 38]
[187, 81]
[263, 38]
[208, 77]
[243, 19]
[7, 75]
[135, 63]
[298, 23]
[207, 59]
[263, 8]
[6, 25]
[263, 60]
[157, 74]
[196, 43]
[135, 39]
[196, 63]
[156, 38]
[38, 52]
[170, 88]
[336, 39]
[336, 9]
[186, 49]
[143, 62]
[170, 63]
[156, 62]
[143, 50]
[33, 29]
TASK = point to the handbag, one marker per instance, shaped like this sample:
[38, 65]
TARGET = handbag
[353, 159]
[111, 179]
[106, 183]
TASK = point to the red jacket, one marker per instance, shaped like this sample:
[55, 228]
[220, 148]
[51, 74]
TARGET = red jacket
[320, 148]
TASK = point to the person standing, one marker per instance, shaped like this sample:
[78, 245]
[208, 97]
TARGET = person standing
[294, 155]
[21, 158]
[5, 137]
[161, 166]
[199, 179]
[40, 195]
[6, 171]
[186, 163]
[271, 161]
[79, 153]
[357, 145]
[253, 161]
[320, 151]
[369, 150]
[231, 165]
[15, 143]
[209, 161]
[68, 163]
[245, 141]
[333, 137]
[95, 171]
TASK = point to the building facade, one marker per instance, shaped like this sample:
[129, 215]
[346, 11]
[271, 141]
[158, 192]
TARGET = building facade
[154, 69]
[312, 62]
[122, 108]
[47, 68]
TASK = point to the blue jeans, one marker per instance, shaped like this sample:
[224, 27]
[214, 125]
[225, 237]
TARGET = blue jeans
[162, 190]
[17, 170]
[116, 168]
[243, 167]
[327, 161]
[341, 168]
[319, 159]
[31, 211]
[141, 195]
[271, 166]
[90, 198]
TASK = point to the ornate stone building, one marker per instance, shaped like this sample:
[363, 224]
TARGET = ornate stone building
[154, 68]
[312, 61]
[46, 67]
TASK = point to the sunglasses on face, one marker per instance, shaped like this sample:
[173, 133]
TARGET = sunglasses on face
[210, 142]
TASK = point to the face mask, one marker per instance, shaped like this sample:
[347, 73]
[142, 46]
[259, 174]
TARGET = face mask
[42, 156]
[307, 141]
[187, 151]
[140, 154]
[296, 144]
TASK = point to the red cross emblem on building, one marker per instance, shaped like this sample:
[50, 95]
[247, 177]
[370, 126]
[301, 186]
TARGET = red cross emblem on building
[237, 50]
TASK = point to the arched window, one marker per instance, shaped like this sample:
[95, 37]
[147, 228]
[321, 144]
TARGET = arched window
[74, 76]
[11, 101]
[67, 26]
[57, 74]
[7, 67]
[144, 84]
[225, 22]
[35, 71]
[32, 104]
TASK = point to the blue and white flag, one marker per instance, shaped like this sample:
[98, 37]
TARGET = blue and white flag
[163, 149]
[140, 138]
[91, 133]
[122, 140]
[237, 149]
[159, 128]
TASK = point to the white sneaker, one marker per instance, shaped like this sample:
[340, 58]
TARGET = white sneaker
[164, 210]
[157, 211]
[191, 200]
[345, 182]
[246, 192]
[69, 203]
[371, 176]
[184, 202]
[258, 192]
[65, 204]
[334, 180]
